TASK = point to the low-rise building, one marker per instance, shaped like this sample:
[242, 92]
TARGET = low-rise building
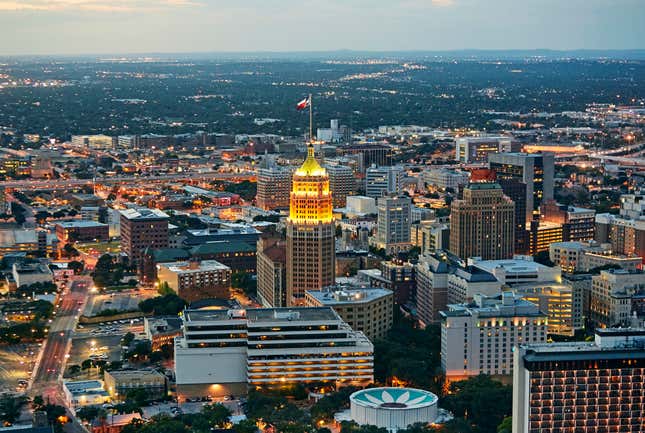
[479, 338]
[369, 310]
[82, 231]
[85, 393]
[26, 274]
[161, 331]
[120, 382]
[194, 280]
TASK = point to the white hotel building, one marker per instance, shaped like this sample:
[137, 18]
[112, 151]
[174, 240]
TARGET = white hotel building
[223, 352]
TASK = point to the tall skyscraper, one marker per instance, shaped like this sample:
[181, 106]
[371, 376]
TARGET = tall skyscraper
[581, 386]
[535, 170]
[393, 226]
[482, 223]
[274, 185]
[311, 255]
[342, 183]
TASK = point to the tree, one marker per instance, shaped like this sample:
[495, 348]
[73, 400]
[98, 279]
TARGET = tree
[37, 402]
[506, 426]
[70, 251]
[217, 414]
[127, 339]
[245, 281]
[481, 400]
[163, 305]
[74, 369]
[246, 426]
[76, 266]
[87, 413]
[10, 408]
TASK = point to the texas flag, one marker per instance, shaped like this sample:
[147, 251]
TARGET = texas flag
[304, 103]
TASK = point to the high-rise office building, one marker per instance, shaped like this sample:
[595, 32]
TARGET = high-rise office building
[516, 191]
[482, 223]
[273, 188]
[311, 231]
[380, 181]
[535, 170]
[272, 271]
[581, 387]
[342, 183]
[393, 225]
[142, 228]
[431, 274]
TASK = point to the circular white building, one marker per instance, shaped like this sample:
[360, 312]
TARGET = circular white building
[393, 408]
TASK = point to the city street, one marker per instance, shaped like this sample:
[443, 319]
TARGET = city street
[47, 378]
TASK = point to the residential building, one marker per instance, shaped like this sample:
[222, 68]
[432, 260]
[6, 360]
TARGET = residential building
[342, 183]
[272, 272]
[273, 188]
[81, 231]
[141, 229]
[482, 223]
[394, 220]
[581, 386]
[561, 303]
[479, 338]
[397, 276]
[369, 310]
[380, 181]
[223, 352]
[535, 170]
[118, 383]
[477, 149]
[195, 280]
[611, 296]
[431, 275]
[626, 235]
[310, 232]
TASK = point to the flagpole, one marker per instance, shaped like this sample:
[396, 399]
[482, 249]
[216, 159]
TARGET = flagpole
[311, 120]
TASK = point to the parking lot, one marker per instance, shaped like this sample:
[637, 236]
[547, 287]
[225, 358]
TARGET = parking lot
[120, 301]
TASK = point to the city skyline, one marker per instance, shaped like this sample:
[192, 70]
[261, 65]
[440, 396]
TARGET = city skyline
[74, 27]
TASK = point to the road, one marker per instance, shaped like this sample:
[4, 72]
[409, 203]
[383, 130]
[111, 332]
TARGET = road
[47, 379]
[54, 184]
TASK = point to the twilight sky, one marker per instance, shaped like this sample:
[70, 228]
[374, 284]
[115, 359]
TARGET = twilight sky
[145, 26]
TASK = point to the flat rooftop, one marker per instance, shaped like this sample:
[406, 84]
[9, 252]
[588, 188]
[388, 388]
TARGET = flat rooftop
[81, 224]
[510, 265]
[184, 267]
[349, 296]
[296, 314]
[143, 214]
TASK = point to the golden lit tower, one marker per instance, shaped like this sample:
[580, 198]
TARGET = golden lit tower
[311, 252]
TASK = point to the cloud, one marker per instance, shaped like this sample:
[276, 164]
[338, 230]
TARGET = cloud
[93, 5]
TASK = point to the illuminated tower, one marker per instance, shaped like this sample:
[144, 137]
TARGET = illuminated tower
[311, 252]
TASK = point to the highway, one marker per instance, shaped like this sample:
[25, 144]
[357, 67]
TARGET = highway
[54, 184]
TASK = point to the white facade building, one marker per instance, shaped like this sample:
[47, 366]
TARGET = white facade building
[380, 181]
[224, 351]
[480, 339]
[394, 220]
[445, 178]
